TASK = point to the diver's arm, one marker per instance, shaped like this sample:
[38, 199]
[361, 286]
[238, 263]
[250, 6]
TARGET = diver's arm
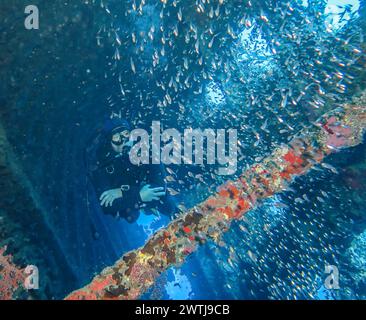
[107, 198]
[155, 177]
[125, 207]
[149, 194]
[120, 206]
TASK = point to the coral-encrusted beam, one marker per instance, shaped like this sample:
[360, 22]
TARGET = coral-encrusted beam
[137, 270]
[11, 277]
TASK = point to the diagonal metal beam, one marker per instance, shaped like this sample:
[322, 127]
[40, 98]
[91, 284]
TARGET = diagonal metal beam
[137, 270]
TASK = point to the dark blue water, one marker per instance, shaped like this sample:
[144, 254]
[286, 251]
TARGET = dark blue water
[265, 68]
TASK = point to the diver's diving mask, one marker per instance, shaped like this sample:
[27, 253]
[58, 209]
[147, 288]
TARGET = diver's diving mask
[120, 138]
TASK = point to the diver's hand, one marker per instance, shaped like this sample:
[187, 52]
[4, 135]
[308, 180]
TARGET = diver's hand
[107, 197]
[149, 194]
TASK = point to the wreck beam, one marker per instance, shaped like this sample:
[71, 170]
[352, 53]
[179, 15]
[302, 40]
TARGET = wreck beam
[137, 270]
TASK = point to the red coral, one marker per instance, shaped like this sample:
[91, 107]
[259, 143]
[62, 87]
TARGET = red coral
[187, 230]
[292, 158]
[11, 277]
[243, 205]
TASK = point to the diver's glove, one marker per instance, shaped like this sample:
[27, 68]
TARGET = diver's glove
[107, 197]
[148, 194]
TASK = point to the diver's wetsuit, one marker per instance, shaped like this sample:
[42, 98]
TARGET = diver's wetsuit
[116, 170]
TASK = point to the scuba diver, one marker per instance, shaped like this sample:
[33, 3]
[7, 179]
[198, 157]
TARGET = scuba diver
[123, 189]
